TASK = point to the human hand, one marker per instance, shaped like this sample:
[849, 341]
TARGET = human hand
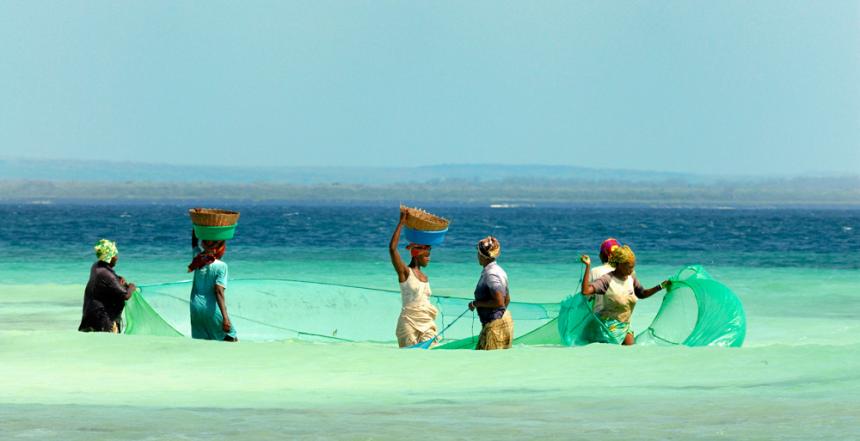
[585, 259]
[667, 284]
[403, 216]
[471, 306]
[132, 287]
[226, 326]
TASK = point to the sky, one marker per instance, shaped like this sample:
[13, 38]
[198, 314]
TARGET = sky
[729, 87]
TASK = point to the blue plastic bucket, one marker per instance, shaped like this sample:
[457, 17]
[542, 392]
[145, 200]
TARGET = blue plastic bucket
[425, 237]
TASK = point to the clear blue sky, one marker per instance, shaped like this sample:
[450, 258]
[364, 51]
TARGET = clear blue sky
[699, 86]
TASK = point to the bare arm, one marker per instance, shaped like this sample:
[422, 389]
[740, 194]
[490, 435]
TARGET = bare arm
[222, 305]
[651, 291]
[498, 300]
[396, 260]
[586, 288]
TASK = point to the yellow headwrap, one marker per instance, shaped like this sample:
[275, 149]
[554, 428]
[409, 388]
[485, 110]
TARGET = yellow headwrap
[622, 255]
[105, 250]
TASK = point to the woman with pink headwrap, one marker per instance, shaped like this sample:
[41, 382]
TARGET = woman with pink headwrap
[606, 248]
[417, 321]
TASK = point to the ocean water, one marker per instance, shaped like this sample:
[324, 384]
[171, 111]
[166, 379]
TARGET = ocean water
[797, 376]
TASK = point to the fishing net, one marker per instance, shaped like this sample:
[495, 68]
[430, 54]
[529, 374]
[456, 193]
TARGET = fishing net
[268, 309]
[696, 311]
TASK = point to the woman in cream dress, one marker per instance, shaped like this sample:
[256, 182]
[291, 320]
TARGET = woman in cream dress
[417, 321]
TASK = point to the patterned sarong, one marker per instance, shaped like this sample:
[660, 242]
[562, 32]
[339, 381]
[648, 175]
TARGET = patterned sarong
[498, 334]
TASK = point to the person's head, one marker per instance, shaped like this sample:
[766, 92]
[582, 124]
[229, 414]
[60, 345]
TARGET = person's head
[606, 249]
[106, 252]
[489, 249]
[623, 260]
[420, 254]
[216, 248]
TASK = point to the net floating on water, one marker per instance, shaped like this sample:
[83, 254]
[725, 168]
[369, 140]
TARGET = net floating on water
[213, 217]
[272, 309]
[696, 311]
[421, 220]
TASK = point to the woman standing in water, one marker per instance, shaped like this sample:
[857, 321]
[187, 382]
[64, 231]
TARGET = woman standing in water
[417, 321]
[106, 292]
[620, 290]
[492, 298]
[606, 248]
[209, 318]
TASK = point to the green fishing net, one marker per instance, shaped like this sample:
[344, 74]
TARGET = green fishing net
[697, 311]
[269, 309]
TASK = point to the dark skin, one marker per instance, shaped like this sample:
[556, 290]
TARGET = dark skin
[622, 271]
[416, 264]
[498, 299]
[219, 290]
[222, 305]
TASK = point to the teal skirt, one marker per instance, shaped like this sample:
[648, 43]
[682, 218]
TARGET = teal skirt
[614, 331]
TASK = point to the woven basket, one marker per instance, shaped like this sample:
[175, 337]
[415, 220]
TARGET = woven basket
[213, 217]
[421, 220]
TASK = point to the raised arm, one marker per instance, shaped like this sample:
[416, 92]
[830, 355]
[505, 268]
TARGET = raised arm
[396, 260]
[586, 288]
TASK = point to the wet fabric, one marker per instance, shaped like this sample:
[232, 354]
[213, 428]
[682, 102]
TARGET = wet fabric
[616, 331]
[417, 320]
[497, 334]
[104, 299]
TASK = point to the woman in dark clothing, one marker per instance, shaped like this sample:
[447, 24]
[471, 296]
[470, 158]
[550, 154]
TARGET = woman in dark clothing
[106, 292]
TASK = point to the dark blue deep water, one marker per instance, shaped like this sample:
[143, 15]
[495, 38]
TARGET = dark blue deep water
[825, 238]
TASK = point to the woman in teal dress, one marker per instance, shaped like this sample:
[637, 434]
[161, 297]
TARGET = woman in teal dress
[209, 318]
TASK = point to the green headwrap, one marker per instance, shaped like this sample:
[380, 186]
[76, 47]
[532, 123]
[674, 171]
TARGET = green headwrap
[105, 250]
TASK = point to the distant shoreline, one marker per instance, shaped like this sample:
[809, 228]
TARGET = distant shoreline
[506, 194]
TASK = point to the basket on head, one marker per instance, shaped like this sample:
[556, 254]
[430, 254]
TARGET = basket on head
[213, 217]
[423, 221]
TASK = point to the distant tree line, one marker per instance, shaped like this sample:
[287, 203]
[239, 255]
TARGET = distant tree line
[793, 191]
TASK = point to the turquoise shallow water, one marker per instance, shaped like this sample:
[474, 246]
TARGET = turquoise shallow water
[797, 376]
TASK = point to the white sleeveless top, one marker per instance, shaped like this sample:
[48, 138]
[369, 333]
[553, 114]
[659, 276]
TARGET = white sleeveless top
[414, 293]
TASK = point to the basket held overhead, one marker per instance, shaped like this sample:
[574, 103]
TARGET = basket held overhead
[213, 217]
[421, 220]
